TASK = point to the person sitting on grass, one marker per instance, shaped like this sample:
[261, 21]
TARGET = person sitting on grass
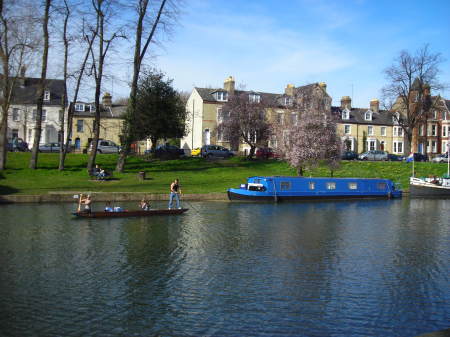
[99, 172]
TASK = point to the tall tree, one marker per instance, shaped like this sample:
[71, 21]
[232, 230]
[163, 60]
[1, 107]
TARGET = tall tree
[104, 10]
[17, 44]
[41, 87]
[159, 110]
[243, 118]
[411, 78]
[162, 16]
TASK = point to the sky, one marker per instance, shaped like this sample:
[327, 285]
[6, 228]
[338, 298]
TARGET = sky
[267, 44]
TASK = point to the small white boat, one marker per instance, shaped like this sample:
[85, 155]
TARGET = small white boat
[430, 187]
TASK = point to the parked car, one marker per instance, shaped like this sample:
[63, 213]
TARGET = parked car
[349, 155]
[395, 157]
[168, 151]
[17, 146]
[195, 152]
[442, 158]
[49, 147]
[420, 157]
[265, 153]
[373, 155]
[211, 151]
[106, 146]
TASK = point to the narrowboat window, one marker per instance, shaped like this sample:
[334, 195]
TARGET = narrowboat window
[352, 186]
[312, 185]
[257, 181]
[381, 186]
[331, 186]
[285, 185]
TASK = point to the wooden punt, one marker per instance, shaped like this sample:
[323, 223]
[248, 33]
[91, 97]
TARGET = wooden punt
[125, 214]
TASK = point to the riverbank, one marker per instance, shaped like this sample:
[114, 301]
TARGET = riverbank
[200, 178]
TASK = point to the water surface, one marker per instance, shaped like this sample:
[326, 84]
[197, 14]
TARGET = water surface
[361, 268]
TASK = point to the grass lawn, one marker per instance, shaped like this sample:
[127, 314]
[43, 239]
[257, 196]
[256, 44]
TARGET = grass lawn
[196, 174]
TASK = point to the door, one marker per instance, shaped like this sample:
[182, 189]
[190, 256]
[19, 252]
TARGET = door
[206, 137]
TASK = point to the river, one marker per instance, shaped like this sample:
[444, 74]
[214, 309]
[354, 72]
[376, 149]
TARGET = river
[359, 268]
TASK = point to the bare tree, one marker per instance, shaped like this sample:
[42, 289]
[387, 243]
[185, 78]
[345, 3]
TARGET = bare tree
[411, 78]
[243, 118]
[17, 43]
[104, 11]
[162, 17]
[41, 88]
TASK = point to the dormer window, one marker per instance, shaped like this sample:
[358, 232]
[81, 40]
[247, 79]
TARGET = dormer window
[46, 95]
[79, 106]
[345, 114]
[287, 101]
[395, 118]
[254, 98]
[91, 107]
[221, 96]
[368, 115]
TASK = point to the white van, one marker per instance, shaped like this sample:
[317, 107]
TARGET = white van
[106, 146]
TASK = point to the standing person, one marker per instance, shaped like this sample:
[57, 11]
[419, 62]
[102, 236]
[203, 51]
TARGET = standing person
[87, 203]
[175, 192]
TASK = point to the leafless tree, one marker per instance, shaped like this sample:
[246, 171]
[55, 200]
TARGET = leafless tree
[159, 15]
[104, 10]
[17, 44]
[41, 87]
[411, 79]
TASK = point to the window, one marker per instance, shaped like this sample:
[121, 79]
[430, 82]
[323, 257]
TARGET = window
[398, 131]
[33, 114]
[370, 130]
[285, 185]
[30, 131]
[294, 118]
[15, 133]
[347, 129]
[444, 146]
[444, 115]
[331, 186]
[381, 186]
[345, 114]
[80, 125]
[254, 98]
[288, 101]
[433, 130]
[434, 114]
[60, 115]
[352, 186]
[428, 146]
[280, 118]
[79, 107]
[397, 147]
[15, 114]
[44, 115]
[383, 131]
[46, 95]
[312, 185]
[444, 131]
[368, 116]
[421, 130]
[221, 96]
[433, 146]
[372, 144]
[395, 118]
[92, 108]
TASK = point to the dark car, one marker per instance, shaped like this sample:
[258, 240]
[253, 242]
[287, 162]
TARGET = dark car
[265, 153]
[168, 151]
[215, 151]
[420, 157]
[349, 155]
[395, 157]
[17, 146]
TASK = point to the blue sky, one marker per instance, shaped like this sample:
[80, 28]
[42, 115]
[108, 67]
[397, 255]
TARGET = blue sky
[266, 44]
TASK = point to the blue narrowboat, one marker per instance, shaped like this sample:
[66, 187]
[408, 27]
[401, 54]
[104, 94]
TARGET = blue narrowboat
[279, 188]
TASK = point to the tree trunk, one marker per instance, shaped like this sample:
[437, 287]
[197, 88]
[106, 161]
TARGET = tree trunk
[300, 171]
[3, 142]
[251, 152]
[42, 84]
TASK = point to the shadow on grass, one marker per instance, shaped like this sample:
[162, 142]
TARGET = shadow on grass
[5, 190]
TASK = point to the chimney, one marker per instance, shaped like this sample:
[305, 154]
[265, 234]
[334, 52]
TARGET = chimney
[228, 85]
[323, 85]
[289, 90]
[346, 102]
[107, 99]
[375, 105]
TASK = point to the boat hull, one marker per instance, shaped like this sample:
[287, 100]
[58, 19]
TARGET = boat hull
[236, 196]
[126, 214]
[428, 191]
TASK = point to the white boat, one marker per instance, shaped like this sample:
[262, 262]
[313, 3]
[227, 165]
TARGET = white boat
[430, 187]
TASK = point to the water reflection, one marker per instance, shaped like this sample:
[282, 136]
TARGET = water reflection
[228, 269]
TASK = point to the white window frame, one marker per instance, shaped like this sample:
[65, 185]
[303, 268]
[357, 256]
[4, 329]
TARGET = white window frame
[254, 98]
[444, 146]
[433, 146]
[444, 130]
[383, 130]
[222, 96]
[46, 95]
[44, 115]
[398, 131]
[371, 144]
[370, 130]
[294, 118]
[345, 114]
[433, 130]
[15, 114]
[347, 129]
[368, 115]
[421, 129]
[288, 101]
[331, 185]
[397, 146]
[79, 106]
[280, 118]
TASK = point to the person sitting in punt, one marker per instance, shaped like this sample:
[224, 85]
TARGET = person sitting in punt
[118, 209]
[108, 207]
[144, 204]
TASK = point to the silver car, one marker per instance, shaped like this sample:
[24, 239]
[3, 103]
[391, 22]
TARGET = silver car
[106, 146]
[373, 155]
[442, 158]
